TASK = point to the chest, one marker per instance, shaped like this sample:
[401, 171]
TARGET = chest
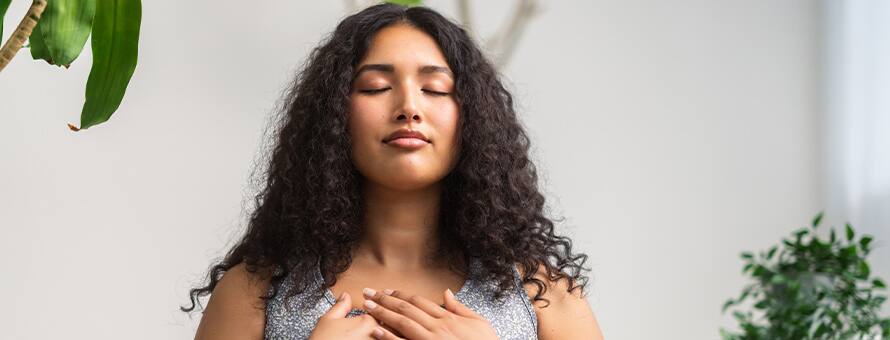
[430, 284]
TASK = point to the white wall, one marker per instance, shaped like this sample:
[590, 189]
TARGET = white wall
[671, 135]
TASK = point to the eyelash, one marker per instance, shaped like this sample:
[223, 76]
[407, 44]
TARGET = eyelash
[375, 91]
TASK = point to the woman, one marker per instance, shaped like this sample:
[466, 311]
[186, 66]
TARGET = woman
[399, 203]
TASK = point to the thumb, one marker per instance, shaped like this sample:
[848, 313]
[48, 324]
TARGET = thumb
[454, 306]
[341, 308]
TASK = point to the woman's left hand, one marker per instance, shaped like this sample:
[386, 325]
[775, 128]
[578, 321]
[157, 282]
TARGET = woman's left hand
[418, 318]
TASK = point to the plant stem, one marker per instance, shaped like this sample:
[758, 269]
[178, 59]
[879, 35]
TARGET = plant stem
[21, 33]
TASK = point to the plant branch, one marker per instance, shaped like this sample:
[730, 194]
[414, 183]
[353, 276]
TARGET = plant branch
[504, 42]
[21, 33]
[465, 13]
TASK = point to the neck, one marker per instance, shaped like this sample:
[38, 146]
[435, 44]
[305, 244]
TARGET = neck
[400, 228]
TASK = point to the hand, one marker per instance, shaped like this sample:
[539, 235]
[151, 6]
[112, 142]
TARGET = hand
[418, 318]
[334, 324]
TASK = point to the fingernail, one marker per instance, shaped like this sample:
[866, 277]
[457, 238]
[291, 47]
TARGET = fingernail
[378, 332]
[388, 291]
[449, 292]
[369, 292]
[370, 304]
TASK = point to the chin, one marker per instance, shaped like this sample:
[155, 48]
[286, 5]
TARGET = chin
[409, 184]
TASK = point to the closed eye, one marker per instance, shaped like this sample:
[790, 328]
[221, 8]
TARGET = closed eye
[375, 91]
[435, 93]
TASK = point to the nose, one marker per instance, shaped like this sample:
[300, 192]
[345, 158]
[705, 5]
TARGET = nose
[408, 108]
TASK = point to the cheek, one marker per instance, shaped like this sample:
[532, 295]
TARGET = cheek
[359, 121]
[447, 124]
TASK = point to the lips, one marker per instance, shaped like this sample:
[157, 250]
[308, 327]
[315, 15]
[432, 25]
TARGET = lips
[405, 133]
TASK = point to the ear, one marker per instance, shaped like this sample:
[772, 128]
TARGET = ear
[454, 306]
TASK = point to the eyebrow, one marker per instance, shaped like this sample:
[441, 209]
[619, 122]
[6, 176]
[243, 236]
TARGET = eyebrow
[388, 68]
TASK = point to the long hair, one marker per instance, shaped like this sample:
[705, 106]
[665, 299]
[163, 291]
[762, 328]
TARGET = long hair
[309, 211]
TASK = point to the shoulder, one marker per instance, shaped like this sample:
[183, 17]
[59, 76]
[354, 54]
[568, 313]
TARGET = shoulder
[235, 309]
[568, 315]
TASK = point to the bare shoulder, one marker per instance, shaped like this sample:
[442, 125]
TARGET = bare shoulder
[235, 309]
[568, 316]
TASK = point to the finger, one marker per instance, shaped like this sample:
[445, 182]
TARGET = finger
[402, 307]
[402, 324]
[454, 306]
[340, 309]
[421, 302]
[385, 334]
[381, 324]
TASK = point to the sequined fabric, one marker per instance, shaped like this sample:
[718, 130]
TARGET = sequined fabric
[512, 317]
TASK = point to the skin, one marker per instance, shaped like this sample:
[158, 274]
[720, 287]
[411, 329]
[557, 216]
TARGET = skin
[399, 234]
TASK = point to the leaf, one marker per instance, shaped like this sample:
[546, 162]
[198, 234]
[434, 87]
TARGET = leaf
[772, 251]
[817, 219]
[878, 283]
[850, 233]
[115, 45]
[864, 241]
[747, 255]
[37, 46]
[864, 270]
[408, 3]
[4, 5]
[65, 26]
[726, 305]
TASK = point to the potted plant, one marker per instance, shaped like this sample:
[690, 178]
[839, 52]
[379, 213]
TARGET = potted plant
[811, 288]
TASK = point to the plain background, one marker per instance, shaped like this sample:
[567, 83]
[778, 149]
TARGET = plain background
[671, 135]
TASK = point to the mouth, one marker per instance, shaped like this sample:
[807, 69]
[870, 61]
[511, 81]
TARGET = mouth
[406, 134]
[411, 143]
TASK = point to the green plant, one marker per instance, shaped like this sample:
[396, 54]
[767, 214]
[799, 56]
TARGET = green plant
[57, 31]
[812, 289]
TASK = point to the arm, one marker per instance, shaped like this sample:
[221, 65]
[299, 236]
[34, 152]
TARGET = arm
[234, 310]
[568, 316]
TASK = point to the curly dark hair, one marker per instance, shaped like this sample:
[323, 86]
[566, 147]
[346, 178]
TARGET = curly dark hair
[309, 211]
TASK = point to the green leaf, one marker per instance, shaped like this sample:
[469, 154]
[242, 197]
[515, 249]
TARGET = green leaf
[864, 241]
[878, 283]
[817, 219]
[408, 3]
[37, 46]
[864, 270]
[726, 305]
[772, 251]
[850, 233]
[115, 45]
[747, 255]
[65, 26]
[4, 5]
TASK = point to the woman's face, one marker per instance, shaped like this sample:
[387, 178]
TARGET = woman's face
[403, 82]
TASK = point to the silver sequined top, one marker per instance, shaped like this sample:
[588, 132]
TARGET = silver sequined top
[512, 317]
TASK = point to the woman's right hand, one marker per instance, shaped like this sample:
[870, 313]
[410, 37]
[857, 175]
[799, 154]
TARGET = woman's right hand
[334, 324]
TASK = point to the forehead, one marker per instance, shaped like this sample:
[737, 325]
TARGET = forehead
[405, 47]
